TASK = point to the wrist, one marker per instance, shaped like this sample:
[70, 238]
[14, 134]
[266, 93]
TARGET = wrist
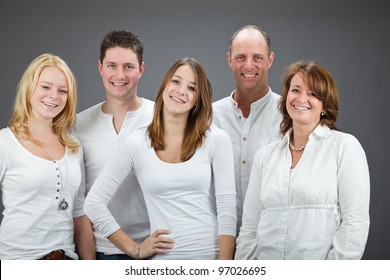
[137, 251]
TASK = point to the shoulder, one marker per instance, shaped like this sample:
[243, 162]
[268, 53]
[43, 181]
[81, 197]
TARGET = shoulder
[222, 103]
[89, 112]
[147, 102]
[216, 133]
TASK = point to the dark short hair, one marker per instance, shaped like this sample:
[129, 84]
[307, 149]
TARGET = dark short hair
[123, 39]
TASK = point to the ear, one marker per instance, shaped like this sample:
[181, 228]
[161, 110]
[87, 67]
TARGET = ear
[141, 69]
[228, 57]
[100, 66]
[271, 59]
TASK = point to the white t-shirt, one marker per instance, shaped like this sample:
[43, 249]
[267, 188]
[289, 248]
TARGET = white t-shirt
[195, 199]
[247, 134]
[97, 134]
[318, 210]
[32, 188]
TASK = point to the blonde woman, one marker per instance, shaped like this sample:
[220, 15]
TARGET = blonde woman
[41, 165]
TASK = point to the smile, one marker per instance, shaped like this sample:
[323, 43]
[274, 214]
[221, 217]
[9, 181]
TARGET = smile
[249, 75]
[301, 108]
[49, 104]
[177, 100]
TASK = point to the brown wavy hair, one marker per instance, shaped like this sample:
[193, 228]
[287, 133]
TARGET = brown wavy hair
[319, 80]
[199, 118]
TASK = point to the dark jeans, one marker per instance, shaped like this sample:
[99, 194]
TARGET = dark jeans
[102, 256]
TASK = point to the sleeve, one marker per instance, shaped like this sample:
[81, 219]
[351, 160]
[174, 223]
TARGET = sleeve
[3, 164]
[354, 196]
[246, 241]
[225, 191]
[105, 186]
[78, 210]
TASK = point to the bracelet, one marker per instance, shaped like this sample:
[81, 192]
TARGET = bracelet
[137, 251]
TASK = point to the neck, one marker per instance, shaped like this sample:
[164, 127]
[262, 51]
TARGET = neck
[245, 99]
[121, 107]
[174, 125]
[41, 128]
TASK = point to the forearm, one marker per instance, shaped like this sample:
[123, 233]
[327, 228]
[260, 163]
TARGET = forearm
[121, 240]
[226, 247]
[83, 235]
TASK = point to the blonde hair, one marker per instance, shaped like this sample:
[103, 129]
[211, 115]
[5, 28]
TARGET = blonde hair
[200, 116]
[21, 113]
[319, 80]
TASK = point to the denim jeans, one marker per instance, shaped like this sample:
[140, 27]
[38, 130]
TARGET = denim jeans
[102, 256]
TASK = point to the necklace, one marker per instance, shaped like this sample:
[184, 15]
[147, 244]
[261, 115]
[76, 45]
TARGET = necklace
[63, 204]
[295, 149]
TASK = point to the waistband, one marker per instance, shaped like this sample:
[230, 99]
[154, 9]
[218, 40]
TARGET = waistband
[55, 255]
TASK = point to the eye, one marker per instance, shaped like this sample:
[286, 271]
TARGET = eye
[240, 58]
[258, 58]
[111, 66]
[45, 87]
[312, 94]
[63, 91]
[192, 89]
[175, 81]
[129, 67]
[294, 90]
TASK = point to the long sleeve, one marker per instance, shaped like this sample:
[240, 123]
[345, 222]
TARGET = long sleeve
[246, 241]
[223, 173]
[354, 196]
[104, 188]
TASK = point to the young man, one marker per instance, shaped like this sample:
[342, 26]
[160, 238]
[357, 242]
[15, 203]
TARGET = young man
[101, 127]
[250, 114]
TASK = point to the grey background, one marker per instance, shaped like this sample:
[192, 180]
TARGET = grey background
[350, 38]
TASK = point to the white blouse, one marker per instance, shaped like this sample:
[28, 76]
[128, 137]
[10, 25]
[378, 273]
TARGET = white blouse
[195, 200]
[32, 188]
[318, 210]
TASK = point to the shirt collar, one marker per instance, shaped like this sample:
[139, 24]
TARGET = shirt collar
[255, 104]
[321, 131]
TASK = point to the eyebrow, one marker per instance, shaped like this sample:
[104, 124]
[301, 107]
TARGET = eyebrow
[177, 76]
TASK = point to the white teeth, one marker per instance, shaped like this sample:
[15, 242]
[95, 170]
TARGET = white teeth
[177, 99]
[249, 75]
[301, 108]
[119, 84]
[49, 104]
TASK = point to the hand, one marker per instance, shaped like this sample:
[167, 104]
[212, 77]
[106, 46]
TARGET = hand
[156, 244]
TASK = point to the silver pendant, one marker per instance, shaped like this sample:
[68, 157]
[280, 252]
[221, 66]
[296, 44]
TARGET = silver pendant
[63, 205]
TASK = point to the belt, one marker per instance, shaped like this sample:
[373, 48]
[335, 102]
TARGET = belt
[55, 255]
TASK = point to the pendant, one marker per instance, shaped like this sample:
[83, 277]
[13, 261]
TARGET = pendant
[63, 205]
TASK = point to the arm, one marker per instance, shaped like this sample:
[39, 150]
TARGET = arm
[354, 196]
[246, 241]
[83, 235]
[147, 248]
[83, 232]
[227, 245]
[225, 191]
[102, 191]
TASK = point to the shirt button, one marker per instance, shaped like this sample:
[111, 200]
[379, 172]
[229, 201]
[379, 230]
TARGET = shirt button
[243, 162]
[244, 138]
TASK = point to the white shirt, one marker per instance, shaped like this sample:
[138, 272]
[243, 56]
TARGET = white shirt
[318, 210]
[247, 134]
[32, 188]
[97, 134]
[195, 199]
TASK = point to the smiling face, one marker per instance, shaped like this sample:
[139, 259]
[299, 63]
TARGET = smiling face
[180, 93]
[120, 72]
[50, 95]
[250, 60]
[302, 104]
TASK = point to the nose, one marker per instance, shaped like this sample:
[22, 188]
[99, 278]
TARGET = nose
[53, 93]
[181, 89]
